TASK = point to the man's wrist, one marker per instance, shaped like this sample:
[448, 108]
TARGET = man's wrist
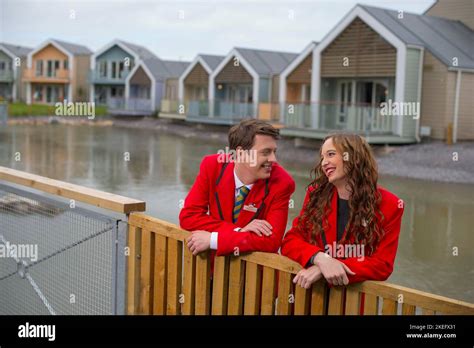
[213, 241]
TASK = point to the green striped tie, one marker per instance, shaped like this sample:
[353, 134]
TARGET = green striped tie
[239, 201]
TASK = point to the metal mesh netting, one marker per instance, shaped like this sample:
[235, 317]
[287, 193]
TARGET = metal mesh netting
[64, 261]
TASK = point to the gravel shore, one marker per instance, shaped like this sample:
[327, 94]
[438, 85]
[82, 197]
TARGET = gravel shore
[429, 160]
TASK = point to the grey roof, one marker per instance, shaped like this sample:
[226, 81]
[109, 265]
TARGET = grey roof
[164, 69]
[444, 38]
[18, 51]
[211, 60]
[74, 49]
[266, 63]
[175, 68]
[140, 51]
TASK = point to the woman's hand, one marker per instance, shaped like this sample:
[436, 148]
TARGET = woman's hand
[307, 276]
[333, 270]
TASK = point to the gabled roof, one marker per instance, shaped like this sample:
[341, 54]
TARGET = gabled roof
[163, 69]
[444, 38]
[140, 51]
[266, 63]
[212, 61]
[175, 68]
[74, 49]
[17, 51]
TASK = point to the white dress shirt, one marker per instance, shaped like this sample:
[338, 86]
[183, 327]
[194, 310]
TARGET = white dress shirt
[238, 186]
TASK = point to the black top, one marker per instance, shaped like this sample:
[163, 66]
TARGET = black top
[342, 216]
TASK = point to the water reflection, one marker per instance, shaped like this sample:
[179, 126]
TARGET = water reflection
[161, 169]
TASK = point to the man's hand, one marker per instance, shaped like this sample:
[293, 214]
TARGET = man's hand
[199, 241]
[259, 227]
[333, 270]
[307, 276]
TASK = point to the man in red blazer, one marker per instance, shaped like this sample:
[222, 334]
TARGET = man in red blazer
[239, 202]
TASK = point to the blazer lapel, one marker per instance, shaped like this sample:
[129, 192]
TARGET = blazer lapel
[226, 192]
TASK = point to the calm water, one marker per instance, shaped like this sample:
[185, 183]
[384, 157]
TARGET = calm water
[162, 168]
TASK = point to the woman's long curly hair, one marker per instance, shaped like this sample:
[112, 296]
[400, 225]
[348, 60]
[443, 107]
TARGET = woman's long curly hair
[360, 167]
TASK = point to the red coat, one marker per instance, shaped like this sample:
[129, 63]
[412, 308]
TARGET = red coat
[202, 198]
[377, 266]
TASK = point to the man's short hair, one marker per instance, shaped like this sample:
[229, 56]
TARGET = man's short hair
[243, 134]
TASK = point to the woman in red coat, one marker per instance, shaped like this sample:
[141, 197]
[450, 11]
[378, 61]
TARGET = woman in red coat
[348, 228]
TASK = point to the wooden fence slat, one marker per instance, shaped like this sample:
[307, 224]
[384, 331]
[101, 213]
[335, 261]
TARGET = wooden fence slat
[302, 297]
[318, 298]
[134, 268]
[220, 285]
[389, 307]
[203, 284]
[336, 297]
[252, 289]
[175, 254]
[408, 309]
[426, 311]
[236, 286]
[352, 302]
[371, 305]
[268, 292]
[160, 289]
[189, 281]
[284, 292]
[146, 275]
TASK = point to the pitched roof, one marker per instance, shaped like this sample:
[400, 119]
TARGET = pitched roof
[444, 38]
[266, 63]
[72, 48]
[140, 51]
[18, 51]
[164, 69]
[211, 60]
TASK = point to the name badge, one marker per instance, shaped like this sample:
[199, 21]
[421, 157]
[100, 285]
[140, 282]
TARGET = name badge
[251, 208]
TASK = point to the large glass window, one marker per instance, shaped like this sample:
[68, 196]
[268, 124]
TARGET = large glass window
[39, 68]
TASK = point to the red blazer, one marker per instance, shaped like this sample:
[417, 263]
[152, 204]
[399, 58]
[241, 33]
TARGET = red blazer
[377, 266]
[200, 211]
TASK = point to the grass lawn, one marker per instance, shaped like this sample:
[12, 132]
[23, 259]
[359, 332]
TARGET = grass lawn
[21, 109]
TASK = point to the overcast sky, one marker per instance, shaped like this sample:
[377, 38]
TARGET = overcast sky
[181, 29]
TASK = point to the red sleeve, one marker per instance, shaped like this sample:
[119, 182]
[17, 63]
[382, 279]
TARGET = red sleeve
[277, 216]
[296, 245]
[194, 215]
[379, 265]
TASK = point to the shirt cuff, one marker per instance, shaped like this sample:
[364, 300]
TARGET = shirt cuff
[237, 229]
[213, 243]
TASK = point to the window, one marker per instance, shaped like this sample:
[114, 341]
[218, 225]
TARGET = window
[121, 67]
[65, 64]
[39, 68]
[49, 68]
[103, 68]
[114, 70]
[38, 94]
[3, 65]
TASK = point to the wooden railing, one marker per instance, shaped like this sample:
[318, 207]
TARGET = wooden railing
[165, 278]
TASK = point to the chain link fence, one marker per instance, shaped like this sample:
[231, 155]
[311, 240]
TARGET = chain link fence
[56, 258]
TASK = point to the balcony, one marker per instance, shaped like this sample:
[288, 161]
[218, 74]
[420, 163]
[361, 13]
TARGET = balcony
[198, 108]
[139, 104]
[6, 76]
[334, 116]
[96, 78]
[58, 76]
[233, 111]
